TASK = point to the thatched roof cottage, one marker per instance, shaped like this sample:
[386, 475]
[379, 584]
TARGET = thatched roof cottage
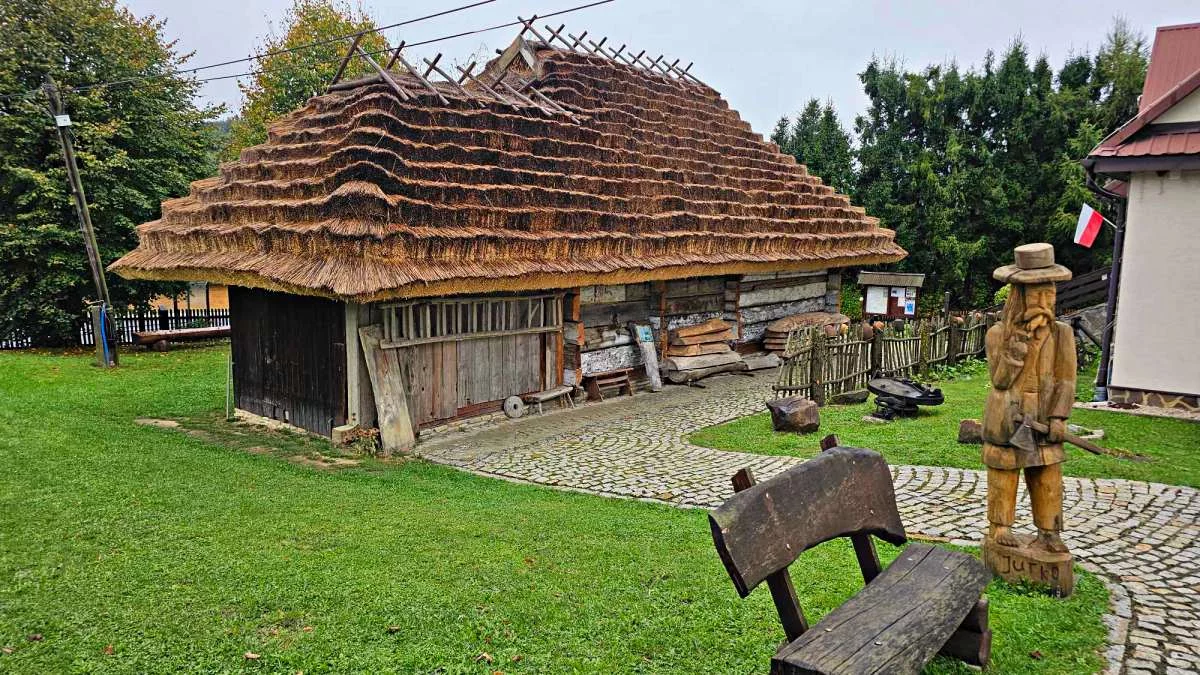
[503, 231]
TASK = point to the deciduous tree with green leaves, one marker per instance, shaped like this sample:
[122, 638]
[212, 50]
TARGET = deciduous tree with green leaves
[138, 143]
[285, 81]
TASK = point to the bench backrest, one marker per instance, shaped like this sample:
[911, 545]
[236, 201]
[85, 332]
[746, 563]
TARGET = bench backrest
[840, 493]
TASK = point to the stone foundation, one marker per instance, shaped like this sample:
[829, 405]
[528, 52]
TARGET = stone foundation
[1155, 399]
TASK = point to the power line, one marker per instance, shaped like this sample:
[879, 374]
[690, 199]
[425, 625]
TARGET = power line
[510, 24]
[289, 50]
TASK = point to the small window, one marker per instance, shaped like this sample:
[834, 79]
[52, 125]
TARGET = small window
[423, 321]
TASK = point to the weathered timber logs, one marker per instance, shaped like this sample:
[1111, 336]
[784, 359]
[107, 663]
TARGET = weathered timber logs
[683, 369]
[794, 413]
[776, 335]
[719, 336]
[700, 350]
[705, 361]
[710, 326]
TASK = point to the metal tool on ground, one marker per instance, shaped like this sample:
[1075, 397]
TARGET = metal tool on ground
[896, 396]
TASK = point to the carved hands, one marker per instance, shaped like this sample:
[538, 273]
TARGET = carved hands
[1058, 430]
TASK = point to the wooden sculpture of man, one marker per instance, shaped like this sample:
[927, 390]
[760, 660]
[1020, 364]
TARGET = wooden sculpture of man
[1031, 359]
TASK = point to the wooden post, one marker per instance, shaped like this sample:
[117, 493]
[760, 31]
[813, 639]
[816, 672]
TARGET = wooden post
[924, 346]
[229, 416]
[106, 353]
[818, 355]
[876, 353]
[954, 344]
[353, 395]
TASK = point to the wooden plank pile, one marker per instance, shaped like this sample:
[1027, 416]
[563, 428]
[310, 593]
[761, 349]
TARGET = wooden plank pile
[775, 338]
[695, 352]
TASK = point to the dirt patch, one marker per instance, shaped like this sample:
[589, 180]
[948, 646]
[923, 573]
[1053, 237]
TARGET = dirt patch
[152, 422]
[320, 461]
[258, 450]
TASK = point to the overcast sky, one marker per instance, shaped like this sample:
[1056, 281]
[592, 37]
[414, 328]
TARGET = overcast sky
[766, 57]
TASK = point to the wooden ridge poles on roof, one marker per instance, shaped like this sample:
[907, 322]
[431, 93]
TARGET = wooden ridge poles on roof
[498, 91]
[574, 43]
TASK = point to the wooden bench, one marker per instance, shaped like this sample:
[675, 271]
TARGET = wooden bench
[160, 339]
[538, 398]
[618, 379]
[927, 601]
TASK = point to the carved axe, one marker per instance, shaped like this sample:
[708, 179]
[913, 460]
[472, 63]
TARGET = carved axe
[1024, 440]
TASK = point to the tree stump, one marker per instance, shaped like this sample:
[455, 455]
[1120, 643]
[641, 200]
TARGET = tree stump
[970, 431]
[794, 413]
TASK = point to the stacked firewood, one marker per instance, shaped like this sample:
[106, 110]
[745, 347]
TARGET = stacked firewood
[776, 336]
[695, 352]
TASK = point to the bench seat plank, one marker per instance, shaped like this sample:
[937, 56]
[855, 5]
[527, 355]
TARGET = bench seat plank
[549, 394]
[897, 623]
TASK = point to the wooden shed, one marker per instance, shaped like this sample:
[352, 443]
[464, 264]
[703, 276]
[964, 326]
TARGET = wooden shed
[502, 233]
[890, 295]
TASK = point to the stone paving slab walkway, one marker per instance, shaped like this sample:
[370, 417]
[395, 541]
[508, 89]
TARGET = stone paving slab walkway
[1144, 538]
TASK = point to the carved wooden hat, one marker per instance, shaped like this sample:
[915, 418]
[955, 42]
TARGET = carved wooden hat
[1033, 264]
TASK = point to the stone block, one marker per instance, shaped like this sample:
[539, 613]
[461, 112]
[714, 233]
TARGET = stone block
[794, 413]
[342, 435]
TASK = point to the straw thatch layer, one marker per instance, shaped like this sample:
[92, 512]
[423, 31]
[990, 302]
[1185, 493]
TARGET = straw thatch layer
[364, 196]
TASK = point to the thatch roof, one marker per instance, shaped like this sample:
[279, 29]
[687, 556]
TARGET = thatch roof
[364, 195]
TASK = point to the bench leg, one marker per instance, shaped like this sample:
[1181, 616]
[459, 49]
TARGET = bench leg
[971, 642]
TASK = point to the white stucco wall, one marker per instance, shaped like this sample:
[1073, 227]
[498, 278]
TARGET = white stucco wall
[1187, 110]
[1158, 320]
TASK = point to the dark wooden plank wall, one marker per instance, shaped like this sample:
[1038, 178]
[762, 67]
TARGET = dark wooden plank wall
[289, 357]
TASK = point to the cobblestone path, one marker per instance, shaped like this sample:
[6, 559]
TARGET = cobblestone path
[1143, 537]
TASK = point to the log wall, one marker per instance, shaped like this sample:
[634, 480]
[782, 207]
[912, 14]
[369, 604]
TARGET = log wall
[603, 340]
[762, 298]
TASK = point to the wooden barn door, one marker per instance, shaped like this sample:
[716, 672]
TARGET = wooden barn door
[289, 357]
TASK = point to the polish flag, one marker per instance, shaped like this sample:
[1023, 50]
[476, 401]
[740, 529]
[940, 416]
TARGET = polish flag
[1088, 226]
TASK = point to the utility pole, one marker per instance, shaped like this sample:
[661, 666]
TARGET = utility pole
[102, 323]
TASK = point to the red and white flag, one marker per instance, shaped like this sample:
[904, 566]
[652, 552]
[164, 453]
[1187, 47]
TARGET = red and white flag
[1088, 226]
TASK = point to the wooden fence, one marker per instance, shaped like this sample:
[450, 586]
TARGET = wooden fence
[836, 368]
[1082, 291]
[128, 324]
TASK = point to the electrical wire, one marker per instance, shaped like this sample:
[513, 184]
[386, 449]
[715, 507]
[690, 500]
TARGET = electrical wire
[510, 24]
[311, 45]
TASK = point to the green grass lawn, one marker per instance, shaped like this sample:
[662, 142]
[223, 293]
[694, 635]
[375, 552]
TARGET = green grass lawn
[131, 548]
[1173, 446]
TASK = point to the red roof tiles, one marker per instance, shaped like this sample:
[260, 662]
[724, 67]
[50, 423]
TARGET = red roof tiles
[1173, 75]
[1175, 56]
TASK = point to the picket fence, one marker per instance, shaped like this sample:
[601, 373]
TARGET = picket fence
[836, 368]
[134, 322]
[128, 324]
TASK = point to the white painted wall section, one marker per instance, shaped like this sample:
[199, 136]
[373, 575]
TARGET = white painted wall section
[1157, 344]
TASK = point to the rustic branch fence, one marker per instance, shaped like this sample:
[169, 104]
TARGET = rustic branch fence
[835, 369]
